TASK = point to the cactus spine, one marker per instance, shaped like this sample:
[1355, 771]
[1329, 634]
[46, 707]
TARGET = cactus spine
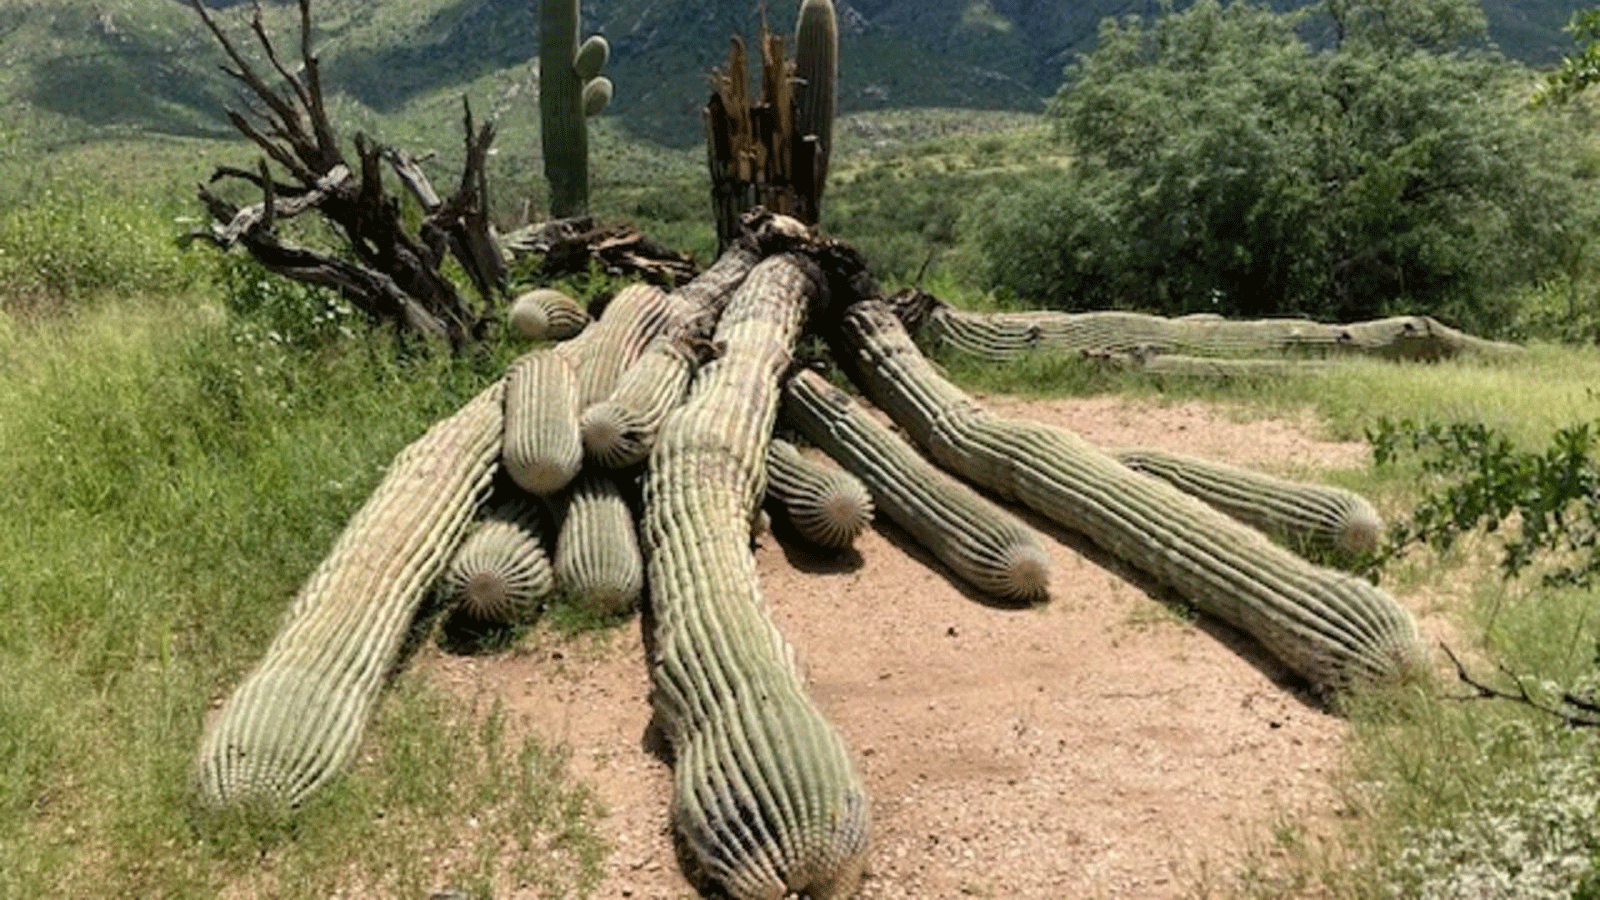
[983, 544]
[765, 795]
[816, 69]
[543, 450]
[1322, 522]
[629, 323]
[546, 315]
[296, 719]
[1328, 627]
[827, 505]
[501, 572]
[571, 90]
[598, 563]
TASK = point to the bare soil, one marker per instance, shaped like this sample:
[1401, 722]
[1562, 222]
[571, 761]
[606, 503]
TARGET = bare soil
[1102, 745]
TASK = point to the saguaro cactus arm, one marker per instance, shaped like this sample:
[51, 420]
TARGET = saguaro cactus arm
[297, 718]
[1328, 627]
[983, 544]
[765, 794]
[597, 562]
[502, 570]
[827, 506]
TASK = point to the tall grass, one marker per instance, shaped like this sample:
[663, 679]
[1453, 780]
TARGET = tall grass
[171, 478]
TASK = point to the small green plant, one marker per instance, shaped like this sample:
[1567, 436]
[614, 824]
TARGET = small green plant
[1548, 500]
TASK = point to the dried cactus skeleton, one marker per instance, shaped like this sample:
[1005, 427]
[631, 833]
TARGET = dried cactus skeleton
[767, 799]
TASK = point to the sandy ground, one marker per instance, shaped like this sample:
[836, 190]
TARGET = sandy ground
[1098, 746]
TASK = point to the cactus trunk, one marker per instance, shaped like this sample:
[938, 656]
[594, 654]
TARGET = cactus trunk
[765, 794]
[826, 505]
[543, 449]
[597, 563]
[983, 544]
[1321, 522]
[297, 718]
[502, 571]
[570, 90]
[1328, 627]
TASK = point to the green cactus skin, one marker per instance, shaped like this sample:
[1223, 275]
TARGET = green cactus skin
[546, 315]
[1329, 627]
[1324, 523]
[816, 69]
[619, 431]
[566, 72]
[765, 795]
[598, 563]
[827, 505]
[591, 57]
[543, 448]
[501, 573]
[1001, 336]
[624, 330]
[597, 96]
[296, 719]
[982, 544]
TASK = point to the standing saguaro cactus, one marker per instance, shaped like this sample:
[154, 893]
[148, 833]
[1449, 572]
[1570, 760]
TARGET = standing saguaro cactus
[571, 89]
[816, 70]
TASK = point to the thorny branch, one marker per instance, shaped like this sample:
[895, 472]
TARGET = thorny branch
[1575, 711]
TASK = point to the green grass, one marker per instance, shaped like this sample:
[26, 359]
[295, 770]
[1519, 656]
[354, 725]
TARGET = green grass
[170, 481]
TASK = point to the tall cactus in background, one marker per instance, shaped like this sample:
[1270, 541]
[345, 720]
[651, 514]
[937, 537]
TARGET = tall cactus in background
[571, 89]
[816, 69]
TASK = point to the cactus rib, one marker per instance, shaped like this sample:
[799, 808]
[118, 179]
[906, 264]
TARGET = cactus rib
[502, 571]
[983, 544]
[597, 561]
[543, 449]
[546, 315]
[296, 719]
[1323, 522]
[765, 794]
[827, 505]
[1328, 627]
[619, 431]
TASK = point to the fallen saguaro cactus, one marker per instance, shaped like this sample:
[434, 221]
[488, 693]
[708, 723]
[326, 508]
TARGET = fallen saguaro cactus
[826, 505]
[764, 792]
[1326, 523]
[546, 315]
[983, 544]
[1331, 628]
[296, 719]
[619, 431]
[502, 572]
[1006, 335]
[542, 446]
[598, 564]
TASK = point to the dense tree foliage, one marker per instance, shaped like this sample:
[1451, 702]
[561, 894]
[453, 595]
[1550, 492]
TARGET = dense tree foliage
[1341, 162]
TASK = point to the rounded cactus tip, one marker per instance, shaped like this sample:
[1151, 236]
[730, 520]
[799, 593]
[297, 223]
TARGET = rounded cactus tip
[546, 314]
[591, 57]
[487, 596]
[1361, 532]
[597, 96]
[543, 477]
[604, 432]
[1027, 574]
[842, 514]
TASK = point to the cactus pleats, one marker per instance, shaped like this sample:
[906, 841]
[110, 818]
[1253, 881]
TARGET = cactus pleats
[543, 449]
[1327, 523]
[598, 563]
[620, 430]
[765, 795]
[629, 323]
[546, 315]
[502, 570]
[1006, 335]
[827, 505]
[297, 718]
[1328, 627]
[982, 544]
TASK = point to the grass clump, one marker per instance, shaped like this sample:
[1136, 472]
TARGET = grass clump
[170, 482]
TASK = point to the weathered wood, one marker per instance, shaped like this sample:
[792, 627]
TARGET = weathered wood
[569, 246]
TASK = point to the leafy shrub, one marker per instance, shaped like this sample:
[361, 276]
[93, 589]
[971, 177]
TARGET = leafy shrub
[1549, 498]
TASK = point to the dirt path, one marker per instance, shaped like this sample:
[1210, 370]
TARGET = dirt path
[1096, 747]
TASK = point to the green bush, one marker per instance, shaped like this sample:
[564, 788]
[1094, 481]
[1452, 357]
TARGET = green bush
[1224, 163]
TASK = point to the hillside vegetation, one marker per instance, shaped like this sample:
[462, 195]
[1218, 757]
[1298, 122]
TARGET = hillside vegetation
[182, 435]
